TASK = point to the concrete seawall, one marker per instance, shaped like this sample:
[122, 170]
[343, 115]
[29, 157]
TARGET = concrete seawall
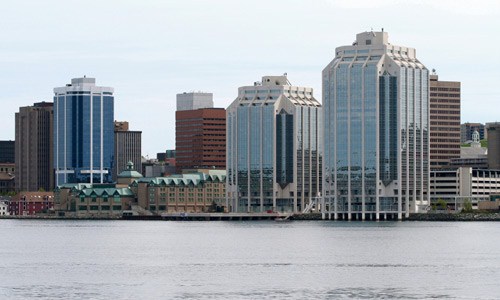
[428, 217]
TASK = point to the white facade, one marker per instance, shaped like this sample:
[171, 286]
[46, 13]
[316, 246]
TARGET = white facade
[273, 147]
[464, 183]
[4, 208]
[376, 134]
[194, 100]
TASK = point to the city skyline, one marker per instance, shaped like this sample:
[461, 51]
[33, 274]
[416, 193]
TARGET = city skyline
[170, 48]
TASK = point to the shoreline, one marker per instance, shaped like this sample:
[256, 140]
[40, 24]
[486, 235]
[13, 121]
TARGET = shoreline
[427, 217]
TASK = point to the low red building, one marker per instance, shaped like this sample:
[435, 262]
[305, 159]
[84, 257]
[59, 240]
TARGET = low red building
[31, 203]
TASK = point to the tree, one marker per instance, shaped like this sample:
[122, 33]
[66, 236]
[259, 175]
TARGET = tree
[467, 206]
[441, 204]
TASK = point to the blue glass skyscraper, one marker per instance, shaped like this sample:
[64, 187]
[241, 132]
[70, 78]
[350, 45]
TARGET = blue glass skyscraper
[83, 132]
[376, 130]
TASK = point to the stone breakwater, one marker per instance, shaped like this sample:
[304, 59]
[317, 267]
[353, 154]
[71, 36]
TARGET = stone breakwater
[461, 217]
[480, 216]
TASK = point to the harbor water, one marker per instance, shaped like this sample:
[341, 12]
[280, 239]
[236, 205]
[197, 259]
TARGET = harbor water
[69, 259]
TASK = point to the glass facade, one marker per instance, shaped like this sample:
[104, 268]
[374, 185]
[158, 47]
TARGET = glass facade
[273, 151]
[84, 135]
[376, 132]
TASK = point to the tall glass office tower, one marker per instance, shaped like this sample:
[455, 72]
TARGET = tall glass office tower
[83, 132]
[273, 150]
[376, 146]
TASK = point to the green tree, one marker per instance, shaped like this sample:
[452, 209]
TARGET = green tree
[467, 206]
[441, 204]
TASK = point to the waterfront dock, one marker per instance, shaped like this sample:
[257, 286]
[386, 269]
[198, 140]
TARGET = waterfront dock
[209, 216]
[220, 216]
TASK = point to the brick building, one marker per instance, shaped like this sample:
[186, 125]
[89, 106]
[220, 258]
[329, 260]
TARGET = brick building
[31, 203]
[195, 192]
[444, 122]
[200, 139]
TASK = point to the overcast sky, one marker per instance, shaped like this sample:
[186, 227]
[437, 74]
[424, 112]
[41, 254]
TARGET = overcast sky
[150, 50]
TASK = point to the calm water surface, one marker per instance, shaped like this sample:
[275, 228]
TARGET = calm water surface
[248, 260]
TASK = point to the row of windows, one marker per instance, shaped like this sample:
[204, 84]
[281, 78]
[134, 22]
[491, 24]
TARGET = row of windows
[444, 106]
[100, 208]
[445, 95]
[443, 89]
[452, 136]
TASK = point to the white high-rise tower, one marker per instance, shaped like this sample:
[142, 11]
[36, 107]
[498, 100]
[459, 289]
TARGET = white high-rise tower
[376, 133]
[273, 147]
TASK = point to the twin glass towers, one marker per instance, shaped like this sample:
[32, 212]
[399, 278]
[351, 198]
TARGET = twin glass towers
[366, 151]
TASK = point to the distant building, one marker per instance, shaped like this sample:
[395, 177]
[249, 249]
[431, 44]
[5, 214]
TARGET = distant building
[34, 147]
[155, 168]
[472, 155]
[7, 151]
[31, 203]
[375, 101]
[467, 129]
[273, 147]
[127, 148]
[200, 139]
[194, 100]
[494, 146]
[196, 192]
[168, 155]
[444, 121]
[4, 206]
[464, 183]
[83, 132]
[7, 178]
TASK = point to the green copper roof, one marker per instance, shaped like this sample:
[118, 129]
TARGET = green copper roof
[107, 191]
[129, 172]
[184, 179]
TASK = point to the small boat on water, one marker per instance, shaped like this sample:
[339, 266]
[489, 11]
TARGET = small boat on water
[283, 219]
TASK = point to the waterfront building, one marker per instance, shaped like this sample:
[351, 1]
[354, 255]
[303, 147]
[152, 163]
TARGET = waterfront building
[4, 207]
[202, 191]
[194, 101]
[444, 121]
[83, 132]
[467, 129]
[34, 147]
[454, 186]
[494, 146]
[200, 139]
[127, 147]
[7, 178]
[7, 151]
[93, 200]
[128, 175]
[31, 203]
[376, 134]
[273, 147]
